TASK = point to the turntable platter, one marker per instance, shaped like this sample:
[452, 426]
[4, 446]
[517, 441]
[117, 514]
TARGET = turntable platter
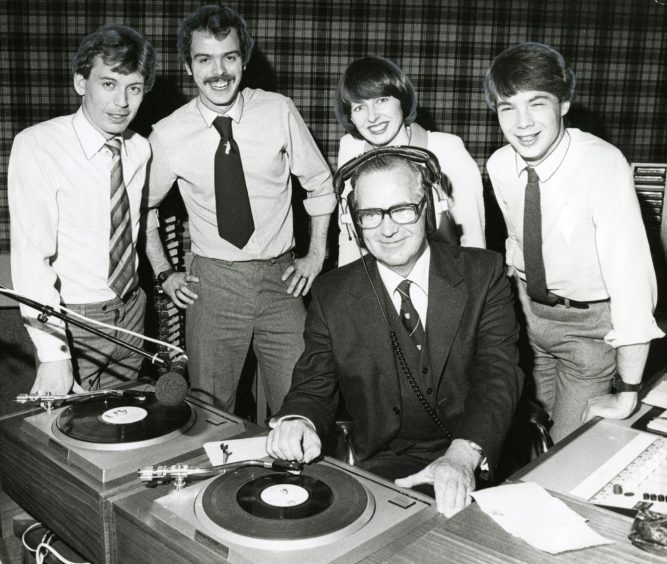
[260, 504]
[120, 421]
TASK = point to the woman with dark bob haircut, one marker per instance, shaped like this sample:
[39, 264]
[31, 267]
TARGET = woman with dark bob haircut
[377, 105]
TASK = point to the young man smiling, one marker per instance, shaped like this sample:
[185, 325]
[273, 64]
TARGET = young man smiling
[65, 245]
[576, 242]
[240, 290]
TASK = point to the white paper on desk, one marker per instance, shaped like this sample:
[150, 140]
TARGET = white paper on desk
[527, 511]
[658, 395]
[239, 449]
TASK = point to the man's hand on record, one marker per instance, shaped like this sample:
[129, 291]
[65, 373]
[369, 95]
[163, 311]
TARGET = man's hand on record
[294, 439]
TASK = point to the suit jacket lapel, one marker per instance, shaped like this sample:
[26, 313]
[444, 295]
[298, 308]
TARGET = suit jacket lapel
[366, 314]
[446, 304]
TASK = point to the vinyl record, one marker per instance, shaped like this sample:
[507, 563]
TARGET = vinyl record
[284, 496]
[263, 504]
[110, 419]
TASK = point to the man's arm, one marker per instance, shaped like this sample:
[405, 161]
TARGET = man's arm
[305, 270]
[309, 166]
[630, 362]
[176, 284]
[34, 226]
[629, 276]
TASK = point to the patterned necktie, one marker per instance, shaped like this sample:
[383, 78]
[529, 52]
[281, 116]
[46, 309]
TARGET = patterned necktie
[409, 316]
[536, 280]
[232, 205]
[122, 254]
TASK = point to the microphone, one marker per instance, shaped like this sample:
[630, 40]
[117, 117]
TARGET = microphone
[172, 387]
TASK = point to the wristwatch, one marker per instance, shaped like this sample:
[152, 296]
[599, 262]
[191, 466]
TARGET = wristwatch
[162, 276]
[618, 385]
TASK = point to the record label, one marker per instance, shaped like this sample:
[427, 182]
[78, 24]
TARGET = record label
[284, 495]
[124, 415]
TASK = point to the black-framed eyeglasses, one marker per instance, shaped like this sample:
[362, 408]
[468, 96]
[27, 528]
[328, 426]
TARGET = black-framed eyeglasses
[402, 214]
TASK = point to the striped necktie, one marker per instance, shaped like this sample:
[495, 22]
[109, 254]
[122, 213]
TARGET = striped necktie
[122, 254]
[409, 316]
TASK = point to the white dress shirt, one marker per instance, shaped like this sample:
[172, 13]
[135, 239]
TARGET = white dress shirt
[274, 142]
[594, 240]
[418, 289]
[59, 203]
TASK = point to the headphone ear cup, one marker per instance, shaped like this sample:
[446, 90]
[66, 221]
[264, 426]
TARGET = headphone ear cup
[431, 221]
[350, 212]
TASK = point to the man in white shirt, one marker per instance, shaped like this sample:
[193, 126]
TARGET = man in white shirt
[417, 341]
[576, 242]
[75, 185]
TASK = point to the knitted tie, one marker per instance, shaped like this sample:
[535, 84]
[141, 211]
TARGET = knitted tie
[536, 280]
[232, 205]
[122, 254]
[409, 316]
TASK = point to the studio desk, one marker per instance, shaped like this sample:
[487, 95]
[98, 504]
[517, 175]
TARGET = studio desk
[121, 520]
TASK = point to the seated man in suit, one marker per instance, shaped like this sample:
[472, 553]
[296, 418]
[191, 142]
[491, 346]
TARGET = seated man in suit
[417, 339]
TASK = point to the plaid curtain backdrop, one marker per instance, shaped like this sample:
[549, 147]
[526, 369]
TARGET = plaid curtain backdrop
[618, 49]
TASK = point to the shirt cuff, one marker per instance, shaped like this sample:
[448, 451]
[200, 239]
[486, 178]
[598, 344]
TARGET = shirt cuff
[320, 205]
[619, 338]
[275, 421]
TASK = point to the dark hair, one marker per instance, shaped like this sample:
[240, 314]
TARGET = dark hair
[124, 49]
[372, 77]
[528, 66]
[218, 21]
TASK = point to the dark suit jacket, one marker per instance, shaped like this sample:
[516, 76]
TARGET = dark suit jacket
[472, 333]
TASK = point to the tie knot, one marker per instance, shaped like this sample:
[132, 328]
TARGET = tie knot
[404, 288]
[224, 126]
[532, 175]
[113, 145]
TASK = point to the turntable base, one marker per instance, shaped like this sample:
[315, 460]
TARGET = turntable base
[66, 483]
[259, 516]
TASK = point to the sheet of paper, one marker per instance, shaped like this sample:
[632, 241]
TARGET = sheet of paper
[239, 449]
[658, 395]
[528, 511]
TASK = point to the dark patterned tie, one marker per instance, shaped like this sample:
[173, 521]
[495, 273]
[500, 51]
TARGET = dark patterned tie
[536, 280]
[232, 205]
[409, 316]
[122, 254]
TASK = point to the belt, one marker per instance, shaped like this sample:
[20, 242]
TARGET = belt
[575, 304]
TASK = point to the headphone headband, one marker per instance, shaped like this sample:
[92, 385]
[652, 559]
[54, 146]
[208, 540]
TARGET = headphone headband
[414, 154]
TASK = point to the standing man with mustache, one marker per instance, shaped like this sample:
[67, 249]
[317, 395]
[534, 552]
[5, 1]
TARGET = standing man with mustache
[576, 243]
[232, 152]
[75, 185]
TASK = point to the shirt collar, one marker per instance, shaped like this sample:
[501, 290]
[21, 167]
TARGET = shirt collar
[548, 167]
[90, 138]
[234, 112]
[418, 275]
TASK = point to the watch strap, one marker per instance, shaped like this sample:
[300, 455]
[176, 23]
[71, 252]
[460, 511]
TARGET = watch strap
[618, 385]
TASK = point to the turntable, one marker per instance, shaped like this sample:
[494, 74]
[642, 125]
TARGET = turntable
[331, 512]
[63, 465]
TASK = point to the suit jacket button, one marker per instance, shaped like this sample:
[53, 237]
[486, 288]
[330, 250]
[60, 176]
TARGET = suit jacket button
[425, 370]
[429, 391]
[397, 411]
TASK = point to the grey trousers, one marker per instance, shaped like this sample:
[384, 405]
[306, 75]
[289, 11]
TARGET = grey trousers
[239, 304]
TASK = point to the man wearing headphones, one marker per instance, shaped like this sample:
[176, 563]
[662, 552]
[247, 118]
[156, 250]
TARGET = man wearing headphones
[417, 340]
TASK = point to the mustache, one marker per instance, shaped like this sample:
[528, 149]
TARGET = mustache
[224, 77]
